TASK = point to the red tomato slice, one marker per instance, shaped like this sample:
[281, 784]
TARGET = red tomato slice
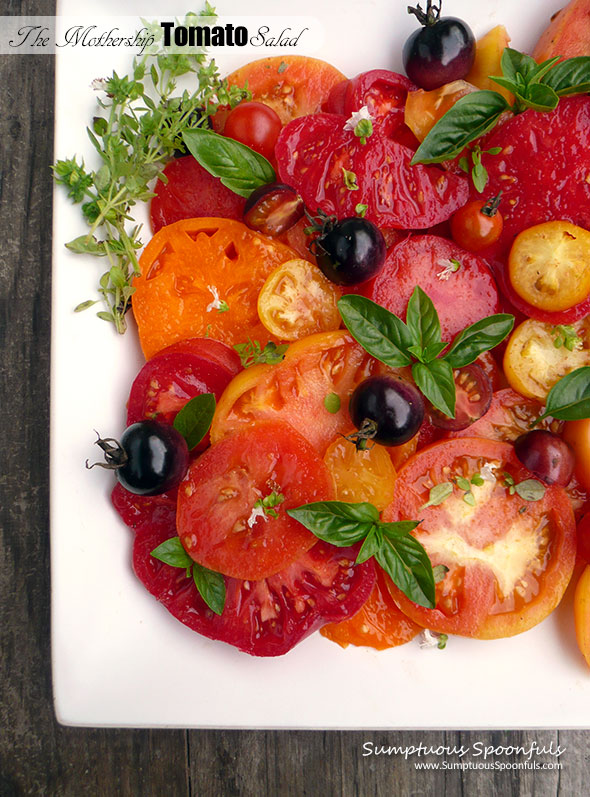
[313, 151]
[542, 169]
[468, 294]
[178, 374]
[217, 521]
[192, 192]
[509, 560]
[263, 618]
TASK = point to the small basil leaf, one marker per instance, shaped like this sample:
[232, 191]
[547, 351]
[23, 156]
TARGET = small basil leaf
[398, 528]
[238, 167]
[172, 553]
[479, 177]
[435, 380]
[373, 541]
[211, 587]
[469, 118]
[570, 77]
[422, 319]
[513, 63]
[539, 73]
[540, 97]
[530, 490]
[194, 419]
[569, 399]
[437, 494]
[506, 83]
[407, 564]
[337, 522]
[381, 333]
[477, 338]
[439, 572]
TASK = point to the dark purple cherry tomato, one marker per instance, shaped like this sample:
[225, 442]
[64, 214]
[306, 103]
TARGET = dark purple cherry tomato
[273, 209]
[387, 410]
[156, 458]
[547, 456]
[441, 51]
[473, 390]
[350, 251]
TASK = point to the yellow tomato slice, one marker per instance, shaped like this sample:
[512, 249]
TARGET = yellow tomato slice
[582, 613]
[298, 300]
[549, 265]
[488, 56]
[366, 475]
[533, 364]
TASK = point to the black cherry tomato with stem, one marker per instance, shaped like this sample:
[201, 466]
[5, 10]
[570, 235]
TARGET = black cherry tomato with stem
[256, 125]
[385, 410]
[349, 251]
[478, 224]
[441, 51]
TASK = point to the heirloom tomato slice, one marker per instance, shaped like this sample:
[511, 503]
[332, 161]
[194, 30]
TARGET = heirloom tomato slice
[202, 277]
[294, 390]
[459, 283]
[367, 475]
[222, 520]
[292, 85]
[263, 618]
[509, 560]
[179, 373]
[378, 624]
[190, 192]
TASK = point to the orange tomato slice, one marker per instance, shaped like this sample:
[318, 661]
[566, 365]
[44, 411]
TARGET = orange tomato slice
[201, 277]
[366, 475]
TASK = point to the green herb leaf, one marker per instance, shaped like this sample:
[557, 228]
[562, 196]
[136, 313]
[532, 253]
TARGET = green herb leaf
[477, 338]
[435, 380]
[463, 483]
[468, 119]
[439, 572]
[438, 494]
[349, 180]
[422, 320]
[540, 97]
[337, 522]
[194, 419]
[361, 210]
[381, 333]
[211, 587]
[569, 399]
[252, 353]
[442, 641]
[373, 541]
[407, 564]
[570, 77]
[469, 498]
[477, 480]
[530, 490]
[87, 245]
[172, 553]
[237, 166]
[479, 177]
[332, 403]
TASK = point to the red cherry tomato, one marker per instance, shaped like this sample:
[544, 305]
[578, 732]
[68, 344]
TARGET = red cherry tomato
[474, 227]
[263, 618]
[256, 125]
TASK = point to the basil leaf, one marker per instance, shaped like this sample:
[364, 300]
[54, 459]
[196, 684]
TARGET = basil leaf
[479, 177]
[439, 572]
[469, 118]
[435, 380]
[422, 319]
[337, 522]
[540, 97]
[539, 73]
[238, 167]
[530, 490]
[407, 564]
[513, 63]
[509, 84]
[211, 587]
[570, 77]
[569, 399]
[373, 541]
[398, 528]
[381, 333]
[172, 553]
[437, 494]
[194, 419]
[477, 338]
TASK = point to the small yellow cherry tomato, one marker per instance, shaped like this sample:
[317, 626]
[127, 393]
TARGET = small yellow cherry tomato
[298, 300]
[549, 265]
[582, 613]
[535, 357]
[366, 475]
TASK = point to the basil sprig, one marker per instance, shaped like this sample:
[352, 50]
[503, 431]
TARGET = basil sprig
[569, 399]
[194, 419]
[210, 585]
[238, 167]
[535, 86]
[418, 342]
[399, 553]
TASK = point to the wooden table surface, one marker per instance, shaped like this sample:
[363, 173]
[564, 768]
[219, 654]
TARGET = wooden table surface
[37, 756]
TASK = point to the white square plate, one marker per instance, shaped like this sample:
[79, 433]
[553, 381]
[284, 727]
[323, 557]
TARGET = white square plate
[119, 659]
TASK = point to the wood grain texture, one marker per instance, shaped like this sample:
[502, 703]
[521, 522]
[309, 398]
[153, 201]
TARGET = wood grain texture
[37, 756]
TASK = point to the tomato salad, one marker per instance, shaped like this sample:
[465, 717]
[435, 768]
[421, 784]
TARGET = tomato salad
[365, 406]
